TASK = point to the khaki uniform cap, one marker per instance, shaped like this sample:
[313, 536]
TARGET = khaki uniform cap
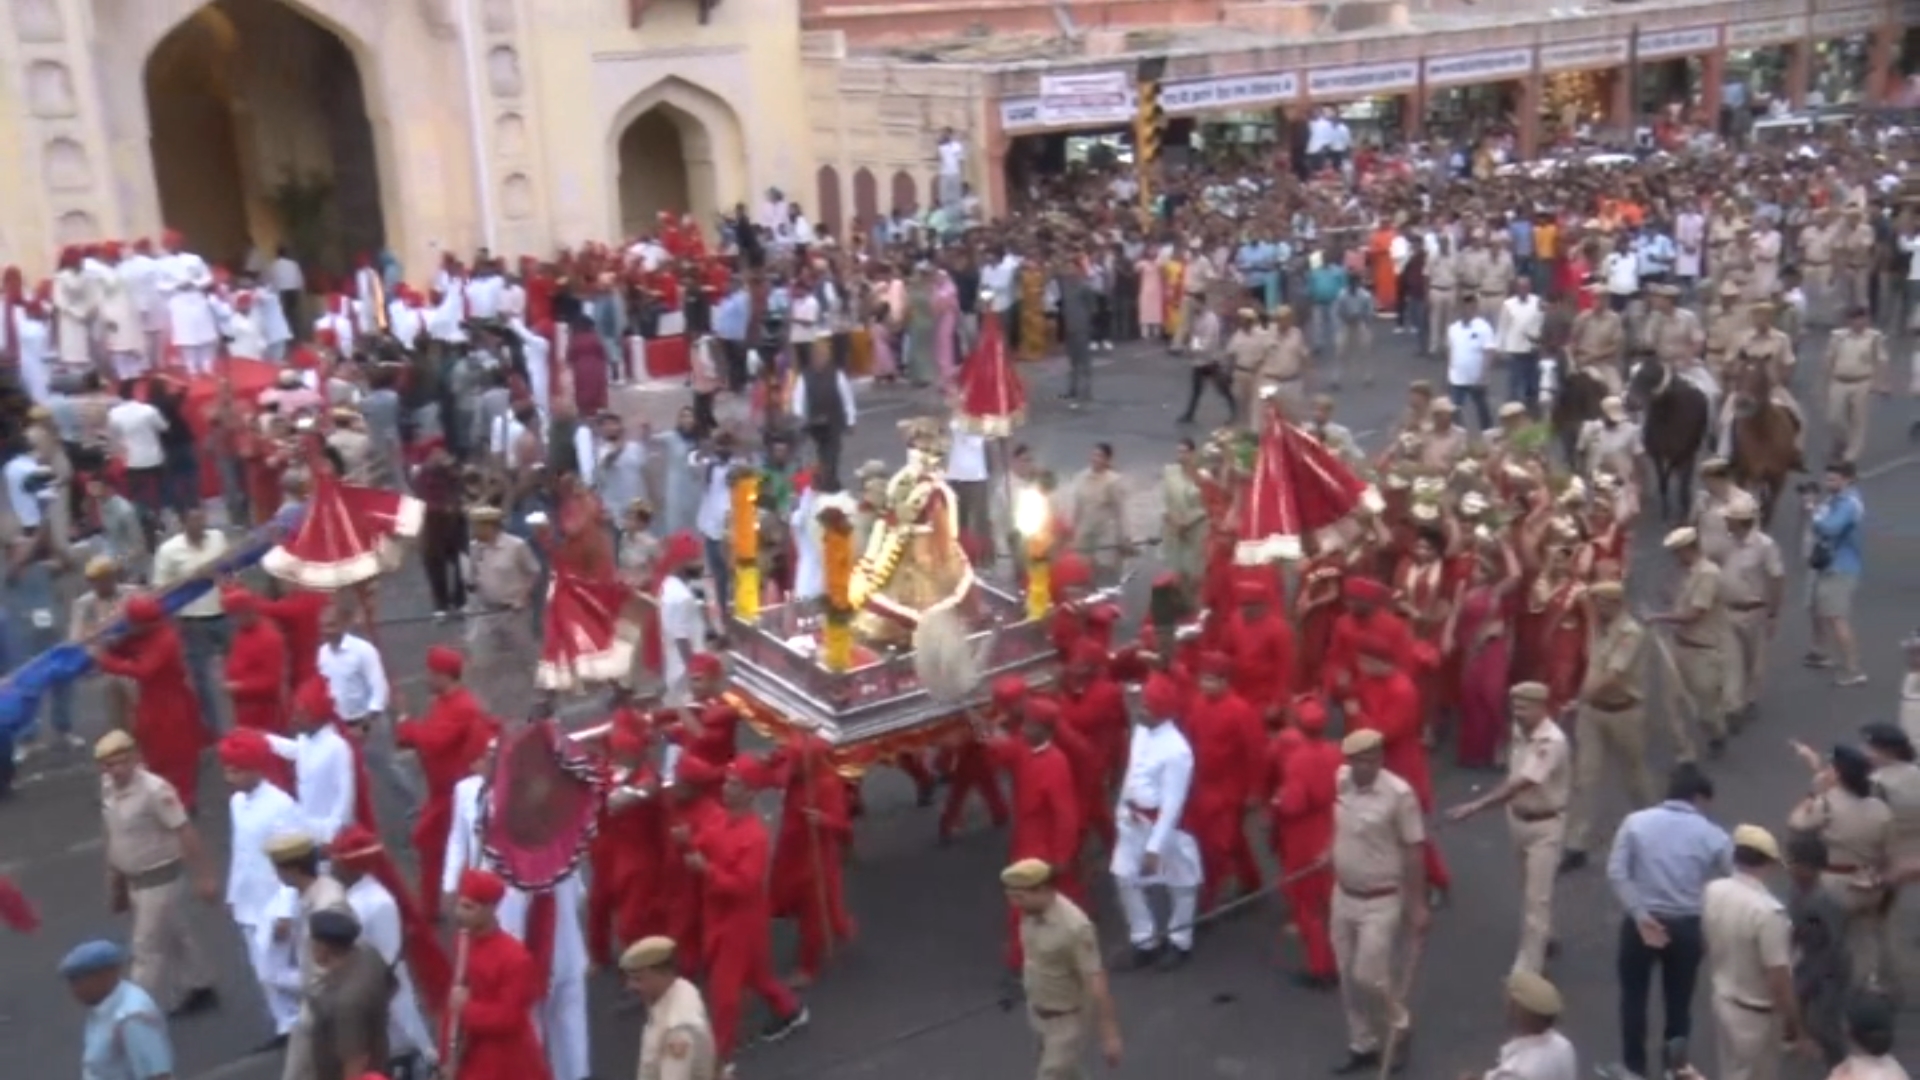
[113, 744]
[1026, 874]
[648, 952]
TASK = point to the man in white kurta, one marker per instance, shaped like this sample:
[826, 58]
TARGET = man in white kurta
[139, 275]
[1151, 846]
[74, 306]
[123, 324]
[272, 318]
[258, 811]
[339, 319]
[370, 297]
[32, 335]
[184, 281]
[381, 927]
[324, 773]
[246, 340]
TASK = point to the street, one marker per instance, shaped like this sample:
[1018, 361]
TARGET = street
[917, 995]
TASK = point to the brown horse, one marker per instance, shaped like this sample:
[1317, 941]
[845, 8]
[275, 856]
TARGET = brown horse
[1576, 402]
[1676, 418]
[1765, 435]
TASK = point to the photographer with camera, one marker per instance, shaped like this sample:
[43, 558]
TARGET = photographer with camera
[1836, 514]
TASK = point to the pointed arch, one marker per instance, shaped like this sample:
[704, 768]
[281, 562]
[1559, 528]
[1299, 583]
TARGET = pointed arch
[905, 194]
[827, 211]
[866, 197]
[711, 142]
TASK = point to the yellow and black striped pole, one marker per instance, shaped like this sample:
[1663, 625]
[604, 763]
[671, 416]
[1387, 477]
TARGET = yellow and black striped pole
[1149, 125]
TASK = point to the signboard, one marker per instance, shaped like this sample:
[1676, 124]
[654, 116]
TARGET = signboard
[1835, 24]
[1362, 80]
[1202, 95]
[1766, 32]
[1494, 65]
[1581, 55]
[1095, 97]
[1661, 43]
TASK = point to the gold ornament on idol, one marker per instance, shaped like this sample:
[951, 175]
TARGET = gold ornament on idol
[744, 489]
[836, 548]
[1032, 517]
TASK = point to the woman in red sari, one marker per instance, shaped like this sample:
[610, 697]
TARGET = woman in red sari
[1478, 633]
[1604, 558]
[1317, 606]
[1425, 597]
[1559, 617]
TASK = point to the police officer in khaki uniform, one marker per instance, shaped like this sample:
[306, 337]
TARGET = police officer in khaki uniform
[1855, 253]
[1065, 984]
[1497, 280]
[1700, 635]
[1380, 883]
[1672, 333]
[1753, 581]
[1845, 809]
[677, 1043]
[1444, 444]
[1284, 366]
[1750, 963]
[1896, 777]
[296, 861]
[1598, 345]
[1538, 787]
[1819, 243]
[1717, 492]
[153, 854]
[1443, 292]
[1723, 232]
[1724, 329]
[1610, 721]
[1855, 367]
[1470, 269]
[501, 648]
[1247, 349]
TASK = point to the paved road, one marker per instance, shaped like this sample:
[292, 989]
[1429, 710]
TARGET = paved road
[915, 995]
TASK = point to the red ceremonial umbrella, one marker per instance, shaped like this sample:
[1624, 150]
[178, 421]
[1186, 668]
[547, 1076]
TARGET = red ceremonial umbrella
[349, 534]
[1298, 487]
[588, 638]
[993, 400]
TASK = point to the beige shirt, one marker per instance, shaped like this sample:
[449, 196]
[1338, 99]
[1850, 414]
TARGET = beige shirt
[677, 1043]
[1856, 246]
[142, 823]
[1700, 594]
[1674, 336]
[504, 571]
[1710, 518]
[91, 611]
[1748, 933]
[1858, 832]
[1544, 758]
[1817, 243]
[1372, 829]
[1748, 570]
[1900, 790]
[177, 559]
[1444, 449]
[1856, 356]
[1546, 1056]
[1247, 348]
[1613, 663]
[1286, 360]
[1062, 957]
[1598, 337]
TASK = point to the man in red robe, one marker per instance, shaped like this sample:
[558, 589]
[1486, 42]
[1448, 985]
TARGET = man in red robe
[694, 806]
[808, 884]
[489, 1014]
[166, 716]
[256, 664]
[1046, 805]
[1071, 580]
[1229, 747]
[1303, 832]
[1259, 643]
[1093, 708]
[622, 903]
[1364, 601]
[297, 613]
[448, 739]
[731, 856]
[972, 769]
[1385, 698]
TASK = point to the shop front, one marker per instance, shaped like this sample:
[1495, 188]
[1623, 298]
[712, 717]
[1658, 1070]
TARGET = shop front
[1235, 116]
[1841, 62]
[1374, 100]
[1675, 71]
[1582, 87]
[1474, 99]
[1766, 61]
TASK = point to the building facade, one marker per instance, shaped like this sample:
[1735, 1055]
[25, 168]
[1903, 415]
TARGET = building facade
[431, 126]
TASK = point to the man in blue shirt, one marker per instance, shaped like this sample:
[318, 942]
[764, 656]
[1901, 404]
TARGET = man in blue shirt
[1836, 560]
[730, 319]
[126, 1034]
[1259, 261]
[1662, 859]
[1653, 248]
[1325, 283]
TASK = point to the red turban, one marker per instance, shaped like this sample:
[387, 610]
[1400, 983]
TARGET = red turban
[696, 771]
[145, 609]
[143, 245]
[1087, 654]
[1167, 580]
[314, 699]
[1008, 690]
[247, 750]
[1070, 571]
[1163, 697]
[1364, 589]
[705, 665]
[172, 239]
[1309, 715]
[481, 886]
[444, 661]
[680, 549]
[354, 844]
[237, 600]
[1424, 656]
[625, 742]
[1041, 710]
[1215, 662]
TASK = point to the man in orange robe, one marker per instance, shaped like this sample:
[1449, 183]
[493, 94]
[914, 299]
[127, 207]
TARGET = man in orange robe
[166, 717]
[1228, 751]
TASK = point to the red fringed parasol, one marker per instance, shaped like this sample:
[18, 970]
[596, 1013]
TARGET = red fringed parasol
[588, 638]
[348, 535]
[1298, 487]
[993, 400]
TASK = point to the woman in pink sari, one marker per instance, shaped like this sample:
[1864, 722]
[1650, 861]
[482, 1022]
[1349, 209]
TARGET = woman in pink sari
[1478, 633]
[946, 322]
[884, 313]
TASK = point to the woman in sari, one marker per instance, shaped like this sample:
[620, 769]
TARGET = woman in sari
[883, 315]
[1386, 281]
[1033, 309]
[1425, 598]
[1173, 272]
[1183, 533]
[1559, 617]
[1151, 295]
[1478, 632]
[922, 325]
[946, 315]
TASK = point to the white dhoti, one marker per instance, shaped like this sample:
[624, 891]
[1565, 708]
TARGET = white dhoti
[407, 1031]
[562, 1019]
[276, 964]
[1179, 872]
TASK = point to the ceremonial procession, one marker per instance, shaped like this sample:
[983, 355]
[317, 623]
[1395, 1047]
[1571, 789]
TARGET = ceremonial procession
[1268, 591]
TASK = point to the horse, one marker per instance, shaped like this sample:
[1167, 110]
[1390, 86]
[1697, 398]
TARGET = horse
[1576, 401]
[1675, 424]
[1765, 438]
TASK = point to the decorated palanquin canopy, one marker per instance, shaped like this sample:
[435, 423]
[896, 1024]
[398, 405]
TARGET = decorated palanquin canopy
[993, 400]
[588, 637]
[348, 534]
[1297, 487]
[539, 803]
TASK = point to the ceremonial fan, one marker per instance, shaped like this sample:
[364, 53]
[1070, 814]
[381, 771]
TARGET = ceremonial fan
[1298, 487]
[347, 534]
[539, 800]
[587, 637]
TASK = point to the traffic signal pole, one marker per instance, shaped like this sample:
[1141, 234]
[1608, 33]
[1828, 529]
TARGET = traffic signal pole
[1149, 127]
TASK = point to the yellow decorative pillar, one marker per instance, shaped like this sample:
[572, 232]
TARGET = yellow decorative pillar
[744, 489]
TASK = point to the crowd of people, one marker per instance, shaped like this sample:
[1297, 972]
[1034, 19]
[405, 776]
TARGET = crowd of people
[1483, 604]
